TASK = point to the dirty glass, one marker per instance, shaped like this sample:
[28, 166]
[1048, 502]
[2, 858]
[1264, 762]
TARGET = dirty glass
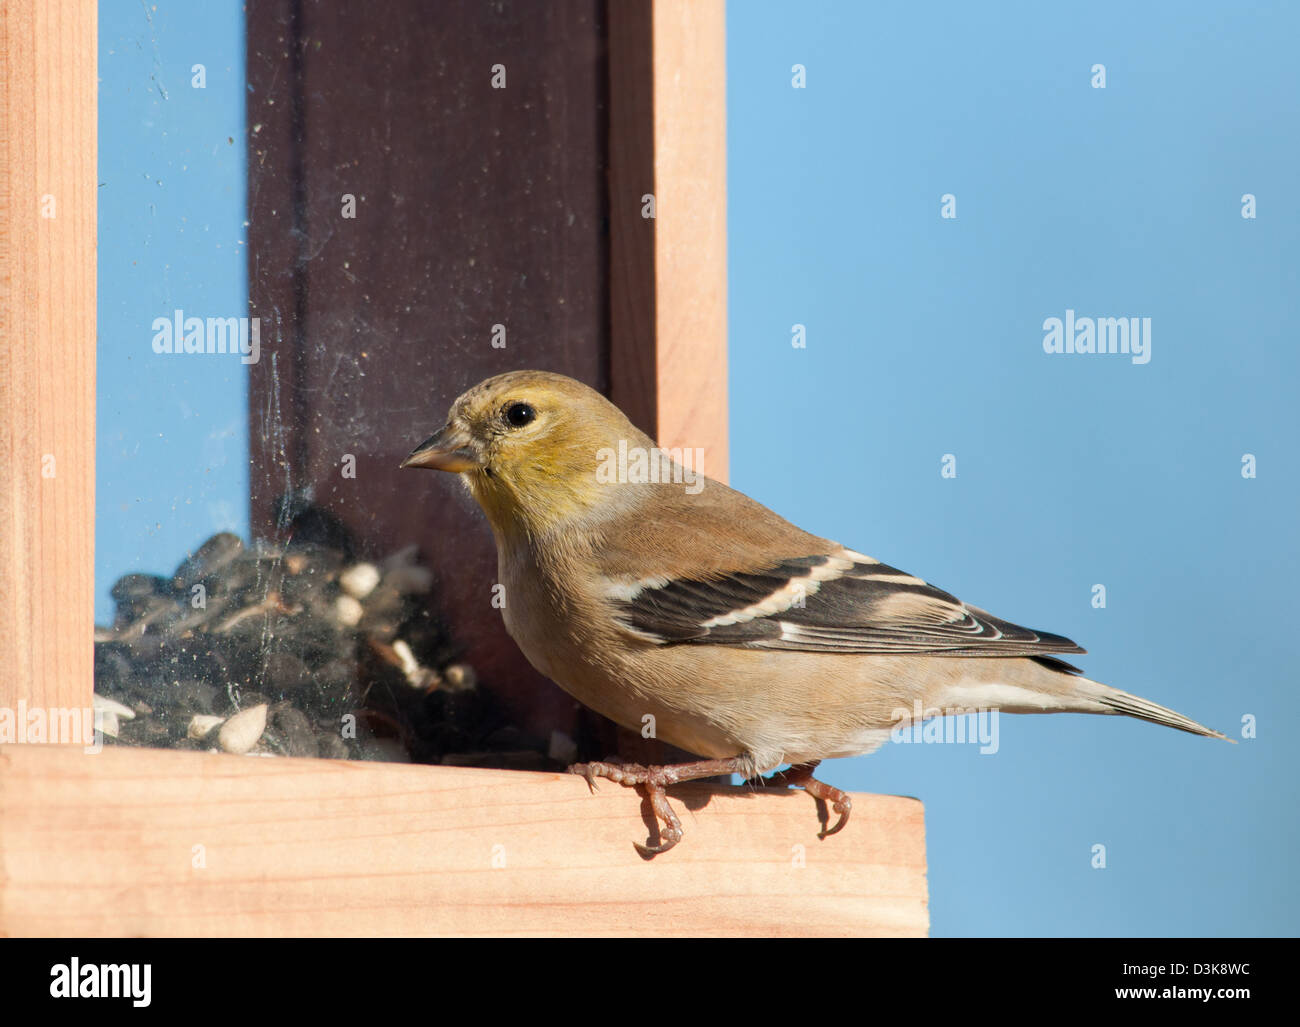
[317, 226]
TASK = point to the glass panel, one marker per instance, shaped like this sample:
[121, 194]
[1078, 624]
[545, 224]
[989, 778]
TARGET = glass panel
[317, 229]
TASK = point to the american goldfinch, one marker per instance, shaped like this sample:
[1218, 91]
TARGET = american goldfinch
[657, 596]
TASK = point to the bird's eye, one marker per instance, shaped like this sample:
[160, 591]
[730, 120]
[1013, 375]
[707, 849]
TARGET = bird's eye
[519, 414]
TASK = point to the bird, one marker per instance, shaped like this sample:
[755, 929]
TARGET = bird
[655, 595]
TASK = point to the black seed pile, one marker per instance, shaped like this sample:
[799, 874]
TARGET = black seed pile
[344, 653]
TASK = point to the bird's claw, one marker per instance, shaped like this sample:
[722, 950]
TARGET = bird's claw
[585, 770]
[654, 780]
[667, 839]
[843, 807]
[801, 776]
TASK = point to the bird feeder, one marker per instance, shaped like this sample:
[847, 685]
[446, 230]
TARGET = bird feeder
[573, 221]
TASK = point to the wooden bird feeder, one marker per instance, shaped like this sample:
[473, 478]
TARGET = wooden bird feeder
[455, 241]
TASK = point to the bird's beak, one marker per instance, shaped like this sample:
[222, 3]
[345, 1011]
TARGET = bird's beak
[451, 450]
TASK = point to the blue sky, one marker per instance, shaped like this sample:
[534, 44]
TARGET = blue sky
[924, 338]
[172, 435]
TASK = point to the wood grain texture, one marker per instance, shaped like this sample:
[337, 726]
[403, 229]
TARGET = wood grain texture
[668, 275]
[690, 127]
[47, 350]
[104, 845]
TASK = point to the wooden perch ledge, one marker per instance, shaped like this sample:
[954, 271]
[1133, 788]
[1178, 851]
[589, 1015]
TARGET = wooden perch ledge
[154, 842]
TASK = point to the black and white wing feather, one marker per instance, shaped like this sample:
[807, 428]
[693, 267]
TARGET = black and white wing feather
[843, 602]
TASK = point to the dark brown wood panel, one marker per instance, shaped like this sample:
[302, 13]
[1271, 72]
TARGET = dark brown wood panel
[633, 371]
[474, 207]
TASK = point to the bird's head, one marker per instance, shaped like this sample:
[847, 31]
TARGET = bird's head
[528, 445]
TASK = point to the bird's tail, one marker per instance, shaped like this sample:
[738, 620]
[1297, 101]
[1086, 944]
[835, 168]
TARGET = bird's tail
[1112, 700]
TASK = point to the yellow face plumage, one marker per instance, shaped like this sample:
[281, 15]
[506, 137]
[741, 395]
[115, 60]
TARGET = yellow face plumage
[527, 444]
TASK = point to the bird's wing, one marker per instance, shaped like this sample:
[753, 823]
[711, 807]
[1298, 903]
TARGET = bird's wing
[842, 602]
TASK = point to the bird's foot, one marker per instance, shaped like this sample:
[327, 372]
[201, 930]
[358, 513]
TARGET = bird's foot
[654, 780]
[801, 776]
